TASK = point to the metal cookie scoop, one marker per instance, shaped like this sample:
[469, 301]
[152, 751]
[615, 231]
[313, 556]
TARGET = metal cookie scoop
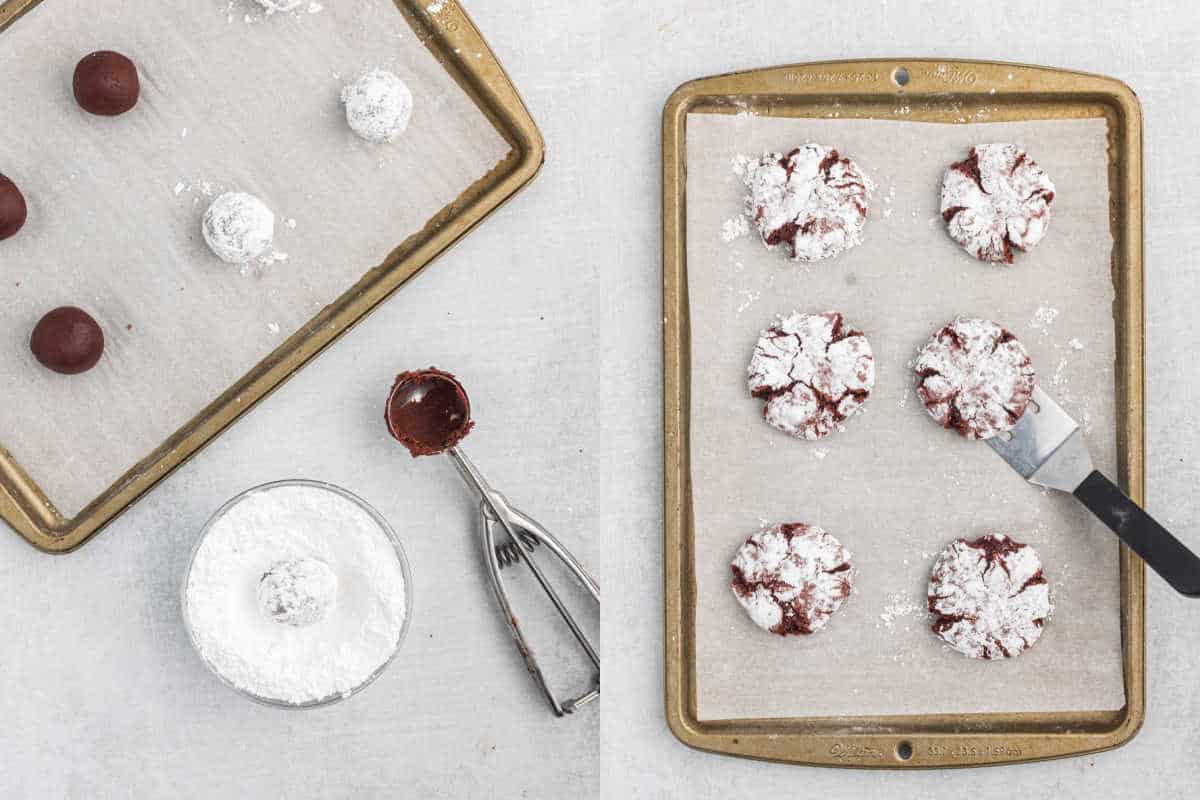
[429, 413]
[1047, 448]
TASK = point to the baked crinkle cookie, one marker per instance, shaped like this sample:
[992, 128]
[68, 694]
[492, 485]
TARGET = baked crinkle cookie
[813, 372]
[974, 377]
[989, 597]
[791, 578]
[812, 200]
[996, 200]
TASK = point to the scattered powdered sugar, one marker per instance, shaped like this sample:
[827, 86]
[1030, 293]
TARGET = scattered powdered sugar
[989, 597]
[813, 372]
[749, 298]
[337, 601]
[898, 606]
[436, 6]
[739, 164]
[1043, 318]
[811, 200]
[820, 452]
[791, 578]
[1075, 343]
[734, 228]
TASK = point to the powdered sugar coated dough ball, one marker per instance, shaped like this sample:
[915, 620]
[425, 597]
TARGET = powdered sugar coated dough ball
[280, 5]
[298, 592]
[378, 106]
[238, 227]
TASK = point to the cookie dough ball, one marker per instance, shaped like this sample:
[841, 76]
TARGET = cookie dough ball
[791, 578]
[299, 592]
[989, 597]
[813, 372]
[280, 5]
[378, 106]
[106, 83]
[975, 377]
[811, 201]
[12, 208]
[238, 227]
[996, 201]
[67, 340]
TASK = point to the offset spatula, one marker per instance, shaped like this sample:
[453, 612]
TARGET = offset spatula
[1047, 448]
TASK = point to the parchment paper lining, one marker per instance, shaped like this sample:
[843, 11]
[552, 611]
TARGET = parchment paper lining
[894, 487]
[115, 204]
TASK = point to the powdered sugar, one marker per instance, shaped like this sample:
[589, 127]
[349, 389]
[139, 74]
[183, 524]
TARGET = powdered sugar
[790, 578]
[1043, 318]
[360, 617]
[996, 200]
[813, 372]
[811, 200]
[975, 377]
[238, 227]
[990, 597]
[378, 106]
[734, 228]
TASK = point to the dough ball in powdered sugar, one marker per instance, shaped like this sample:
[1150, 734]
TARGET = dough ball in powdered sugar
[280, 5]
[378, 106]
[238, 227]
[299, 592]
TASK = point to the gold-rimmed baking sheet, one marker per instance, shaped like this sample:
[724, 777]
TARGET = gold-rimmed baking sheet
[882, 665]
[232, 99]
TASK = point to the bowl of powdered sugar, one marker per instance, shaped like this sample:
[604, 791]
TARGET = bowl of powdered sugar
[297, 594]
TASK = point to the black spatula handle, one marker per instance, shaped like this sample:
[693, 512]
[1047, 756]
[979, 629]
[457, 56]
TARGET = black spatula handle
[1165, 554]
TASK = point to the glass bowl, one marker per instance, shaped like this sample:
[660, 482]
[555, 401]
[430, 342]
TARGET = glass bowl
[383, 526]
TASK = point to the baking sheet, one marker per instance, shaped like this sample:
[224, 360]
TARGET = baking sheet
[231, 99]
[894, 487]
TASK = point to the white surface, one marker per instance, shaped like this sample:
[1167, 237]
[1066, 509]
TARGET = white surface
[102, 696]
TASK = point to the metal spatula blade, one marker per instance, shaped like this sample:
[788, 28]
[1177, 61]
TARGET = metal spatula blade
[1046, 447]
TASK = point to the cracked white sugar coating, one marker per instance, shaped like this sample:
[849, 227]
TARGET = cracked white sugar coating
[975, 377]
[813, 372]
[378, 106]
[811, 200]
[989, 597]
[238, 227]
[295, 664]
[996, 200]
[790, 578]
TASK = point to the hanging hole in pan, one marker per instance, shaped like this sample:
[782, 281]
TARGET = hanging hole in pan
[900, 76]
[904, 751]
[1005, 436]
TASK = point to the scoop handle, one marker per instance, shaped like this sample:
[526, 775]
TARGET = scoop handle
[1165, 554]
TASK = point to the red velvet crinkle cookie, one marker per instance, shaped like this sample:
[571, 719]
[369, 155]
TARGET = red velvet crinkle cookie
[791, 578]
[812, 200]
[995, 201]
[974, 377]
[989, 597]
[813, 372]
